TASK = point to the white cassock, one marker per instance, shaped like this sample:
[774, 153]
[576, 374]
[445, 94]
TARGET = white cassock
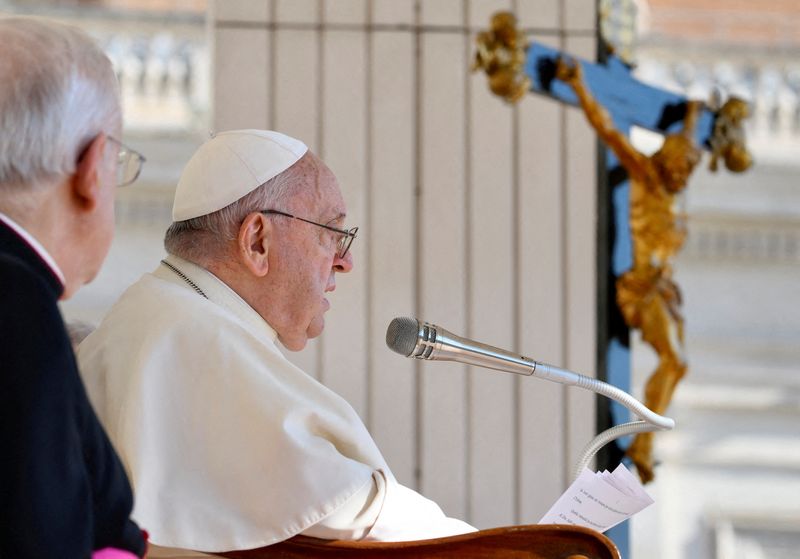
[228, 444]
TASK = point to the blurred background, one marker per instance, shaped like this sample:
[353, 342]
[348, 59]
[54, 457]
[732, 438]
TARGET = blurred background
[729, 475]
[160, 50]
[728, 469]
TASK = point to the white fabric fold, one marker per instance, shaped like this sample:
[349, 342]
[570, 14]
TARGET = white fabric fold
[228, 444]
[406, 515]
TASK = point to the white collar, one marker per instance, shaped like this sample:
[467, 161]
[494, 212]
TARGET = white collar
[35, 245]
[216, 291]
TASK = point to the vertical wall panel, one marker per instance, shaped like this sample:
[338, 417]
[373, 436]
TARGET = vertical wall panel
[297, 77]
[481, 10]
[581, 278]
[474, 215]
[345, 12]
[393, 12]
[389, 242]
[492, 411]
[242, 78]
[296, 11]
[242, 11]
[442, 246]
[541, 295]
[543, 415]
[539, 14]
[580, 15]
[344, 148]
[447, 13]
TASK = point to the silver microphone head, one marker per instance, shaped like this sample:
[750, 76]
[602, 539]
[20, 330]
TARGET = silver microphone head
[422, 340]
[411, 337]
[402, 335]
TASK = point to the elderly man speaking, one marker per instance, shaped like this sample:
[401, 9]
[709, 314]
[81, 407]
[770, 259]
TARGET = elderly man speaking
[228, 444]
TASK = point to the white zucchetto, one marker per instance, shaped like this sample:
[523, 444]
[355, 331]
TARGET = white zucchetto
[231, 165]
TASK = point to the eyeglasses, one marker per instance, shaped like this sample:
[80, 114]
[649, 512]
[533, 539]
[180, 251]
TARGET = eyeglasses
[129, 163]
[346, 235]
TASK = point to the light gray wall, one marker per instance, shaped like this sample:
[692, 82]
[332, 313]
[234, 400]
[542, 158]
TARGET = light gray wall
[473, 214]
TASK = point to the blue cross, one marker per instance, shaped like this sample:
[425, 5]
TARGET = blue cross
[628, 101]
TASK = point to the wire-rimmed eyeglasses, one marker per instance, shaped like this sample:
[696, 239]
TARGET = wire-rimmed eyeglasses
[346, 236]
[129, 163]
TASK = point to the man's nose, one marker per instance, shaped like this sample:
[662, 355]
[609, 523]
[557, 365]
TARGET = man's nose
[343, 265]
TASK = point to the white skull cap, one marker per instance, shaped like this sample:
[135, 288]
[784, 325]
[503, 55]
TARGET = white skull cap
[231, 165]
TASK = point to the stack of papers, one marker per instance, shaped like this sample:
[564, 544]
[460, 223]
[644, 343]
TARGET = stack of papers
[599, 500]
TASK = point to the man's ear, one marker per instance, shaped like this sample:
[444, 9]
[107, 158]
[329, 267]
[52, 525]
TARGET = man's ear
[86, 182]
[253, 241]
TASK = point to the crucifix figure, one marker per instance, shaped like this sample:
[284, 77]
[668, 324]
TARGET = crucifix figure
[646, 295]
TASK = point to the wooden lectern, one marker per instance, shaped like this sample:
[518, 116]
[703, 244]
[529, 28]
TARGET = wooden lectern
[515, 542]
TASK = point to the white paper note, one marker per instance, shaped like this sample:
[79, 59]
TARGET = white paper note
[599, 500]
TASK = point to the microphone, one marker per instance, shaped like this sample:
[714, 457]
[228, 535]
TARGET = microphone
[422, 340]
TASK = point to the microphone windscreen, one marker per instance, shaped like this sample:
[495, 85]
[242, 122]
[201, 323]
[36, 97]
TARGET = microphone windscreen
[401, 336]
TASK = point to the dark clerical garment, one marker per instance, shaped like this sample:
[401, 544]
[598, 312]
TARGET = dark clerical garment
[63, 491]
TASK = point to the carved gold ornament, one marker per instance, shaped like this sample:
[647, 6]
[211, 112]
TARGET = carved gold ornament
[727, 140]
[501, 54]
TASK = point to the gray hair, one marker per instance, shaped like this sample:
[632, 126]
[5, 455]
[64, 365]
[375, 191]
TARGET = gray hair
[205, 237]
[57, 91]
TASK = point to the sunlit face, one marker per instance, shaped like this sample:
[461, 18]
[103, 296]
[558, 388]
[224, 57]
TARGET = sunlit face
[303, 257]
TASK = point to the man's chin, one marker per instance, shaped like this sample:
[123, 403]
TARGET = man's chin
[293, 344]
[297, 343]
[315, 328]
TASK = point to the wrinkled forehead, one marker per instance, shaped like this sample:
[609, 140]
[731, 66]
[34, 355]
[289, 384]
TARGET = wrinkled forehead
[319, 194]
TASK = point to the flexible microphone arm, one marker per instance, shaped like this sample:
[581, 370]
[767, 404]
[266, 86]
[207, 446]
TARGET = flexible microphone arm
[422, 340]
